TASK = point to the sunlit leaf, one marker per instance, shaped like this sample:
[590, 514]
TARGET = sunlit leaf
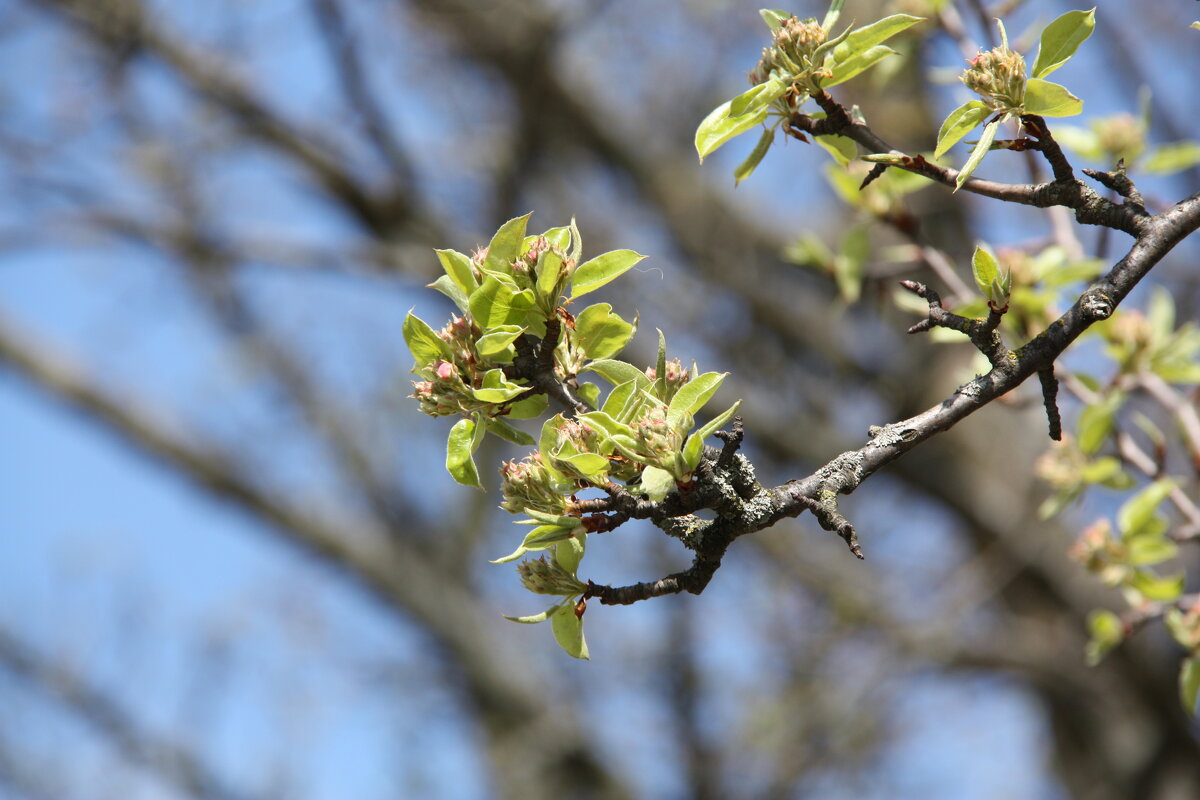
[718, 128]
[959, 123]
[568, 630]
[1050, 99]
[1060, 39]
[593, 274]
[460, 447]
[981, 148]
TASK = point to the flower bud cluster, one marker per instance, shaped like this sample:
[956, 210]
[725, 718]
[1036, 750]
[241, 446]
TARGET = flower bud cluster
[547, 577]
[676, 377]
[528, 484]
[1101, 554]
[1121, 136]
[1185, 627]
[448, 384]
[659, 443]
[997, 76]
[791, 51]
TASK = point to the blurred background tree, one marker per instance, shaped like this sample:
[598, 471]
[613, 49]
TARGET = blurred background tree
[229, 566]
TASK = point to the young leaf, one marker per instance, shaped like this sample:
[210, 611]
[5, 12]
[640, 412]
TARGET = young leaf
[460, 447]
[756, 156]
[1138, 510]
[757, 97]
[618, 372]
[568, 630]
[831, 16]
[959, 123]
[458, 269]
[451, 289]
[1170, 158]
[842, 148]
[866, 37]
[496, 339]
[593, 274]
[1107, 632]
[599, 333]
[533, 619]
[985, 268]
[508, 432]
[549, 274]
[692, 396]
[1156, 588]
[657, 483]
[423, 342]
[855, 64]
[1061, 39]
[774, 17]
[981, 148]
[1189, 671]
[693, 448]
[498, 302]
[718, 128]
[505, 246]
[496, 389]
[1096, 422]
[1048, 99]
[569, 552]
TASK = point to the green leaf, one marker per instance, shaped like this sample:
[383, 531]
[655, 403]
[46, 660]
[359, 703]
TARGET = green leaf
[1136, 512]
[842, 148]
[981, 148]
[1146, 551]
[744, 169]
[1189, 671]
[985, 268]
[498, 302]
[505, 246]
[559, 237]
[568, 630]
[497, 339]
[866, 37]
[590, 465]
[848, 264]
[599, 333]
[1157, 588]
[505, 431]
[557, 520]
[1169, 158]
[423, 342]
[548, 278]
[757, 97]
[618, 397]
[596, 272]
[959, 123]
[533, 619]
[831, 16]
[569, 553]
[657, 483]
[1096, 422]
[718, 128]
[496, 388]
[529, 408]
[1106, 631]
[1050, 99]
[618, 372]
[693, 448]
[774, 17]
[458, 269]
[858, 63]
[605, 423]
[692, 396]
[460, 447]
[451, 289]
[1060, 39]
[590, 394]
